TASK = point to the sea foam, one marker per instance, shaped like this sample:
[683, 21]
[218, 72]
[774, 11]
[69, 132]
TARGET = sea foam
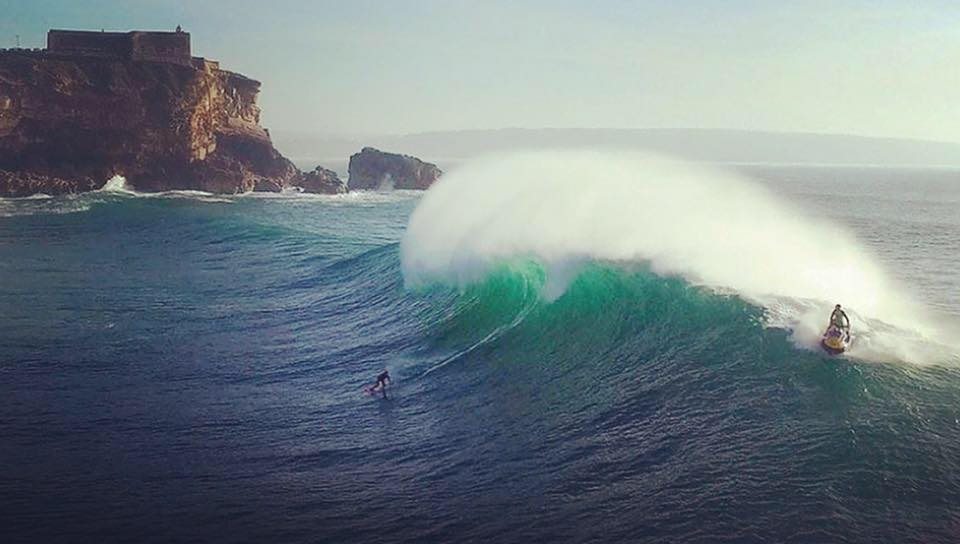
[116, 184]
[712, 227]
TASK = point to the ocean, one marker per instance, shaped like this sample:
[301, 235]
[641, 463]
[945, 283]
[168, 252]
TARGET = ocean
[584, 347]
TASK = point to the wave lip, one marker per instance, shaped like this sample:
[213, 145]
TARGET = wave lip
[711, 227]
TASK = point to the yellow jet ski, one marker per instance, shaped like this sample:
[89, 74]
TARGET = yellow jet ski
[835, 341]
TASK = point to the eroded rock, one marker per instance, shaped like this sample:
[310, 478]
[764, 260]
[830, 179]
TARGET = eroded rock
[372, 169]
[321, 180]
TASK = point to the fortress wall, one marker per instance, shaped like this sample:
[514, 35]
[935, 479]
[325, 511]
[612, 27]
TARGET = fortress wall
[208, 65]
[161, 47]
[101, 44]
[172, 47]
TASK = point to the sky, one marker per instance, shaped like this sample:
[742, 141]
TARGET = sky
[886, 68]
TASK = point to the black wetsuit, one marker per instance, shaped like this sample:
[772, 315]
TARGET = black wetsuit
[382, 380]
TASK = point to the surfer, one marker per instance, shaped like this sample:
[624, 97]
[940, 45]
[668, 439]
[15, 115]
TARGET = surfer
[839, 320]
[382, 379]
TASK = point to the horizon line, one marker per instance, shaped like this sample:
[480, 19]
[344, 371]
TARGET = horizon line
[351, 136]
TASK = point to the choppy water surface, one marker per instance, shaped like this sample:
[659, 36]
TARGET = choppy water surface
[185, 367]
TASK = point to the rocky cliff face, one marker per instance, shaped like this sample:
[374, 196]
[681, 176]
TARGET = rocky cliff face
[68, 124]
[371, 169]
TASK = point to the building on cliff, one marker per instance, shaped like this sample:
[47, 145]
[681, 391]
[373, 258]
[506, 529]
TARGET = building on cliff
[137, 45]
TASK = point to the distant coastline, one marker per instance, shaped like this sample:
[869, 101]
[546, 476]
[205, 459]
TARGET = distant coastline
[700, 145]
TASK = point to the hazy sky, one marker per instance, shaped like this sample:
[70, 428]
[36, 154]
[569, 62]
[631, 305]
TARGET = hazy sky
[878, 67]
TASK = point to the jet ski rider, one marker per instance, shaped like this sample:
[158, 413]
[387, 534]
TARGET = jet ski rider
[840, 320]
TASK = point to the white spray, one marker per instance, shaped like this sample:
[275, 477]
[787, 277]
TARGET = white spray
[116, 184]
[712, 227]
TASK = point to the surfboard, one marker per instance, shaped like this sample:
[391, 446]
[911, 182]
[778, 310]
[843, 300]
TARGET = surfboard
[373, 391]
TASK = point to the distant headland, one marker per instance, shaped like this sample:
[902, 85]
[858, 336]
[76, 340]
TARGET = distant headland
[93, 105]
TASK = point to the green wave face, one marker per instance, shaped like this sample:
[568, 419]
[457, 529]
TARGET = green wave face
[605, 310]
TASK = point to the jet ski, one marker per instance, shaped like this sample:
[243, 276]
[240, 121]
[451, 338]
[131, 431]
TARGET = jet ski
[835, 341]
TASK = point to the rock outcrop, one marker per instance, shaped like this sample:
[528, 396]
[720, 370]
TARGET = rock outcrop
[69, 123]
[21, 184]
[371, 169]
[321, 180]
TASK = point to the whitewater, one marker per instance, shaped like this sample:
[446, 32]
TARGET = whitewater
[709, 226]
[586, 346]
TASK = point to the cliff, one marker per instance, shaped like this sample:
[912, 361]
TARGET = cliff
[68, 124]
[372, 169]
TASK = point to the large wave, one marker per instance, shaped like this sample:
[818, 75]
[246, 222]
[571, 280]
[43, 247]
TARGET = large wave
[711, 227]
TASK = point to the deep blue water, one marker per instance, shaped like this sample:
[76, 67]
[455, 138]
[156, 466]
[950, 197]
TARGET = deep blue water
[190, 368]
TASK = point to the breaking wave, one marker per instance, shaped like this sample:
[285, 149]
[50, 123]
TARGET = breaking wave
[712, 229]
